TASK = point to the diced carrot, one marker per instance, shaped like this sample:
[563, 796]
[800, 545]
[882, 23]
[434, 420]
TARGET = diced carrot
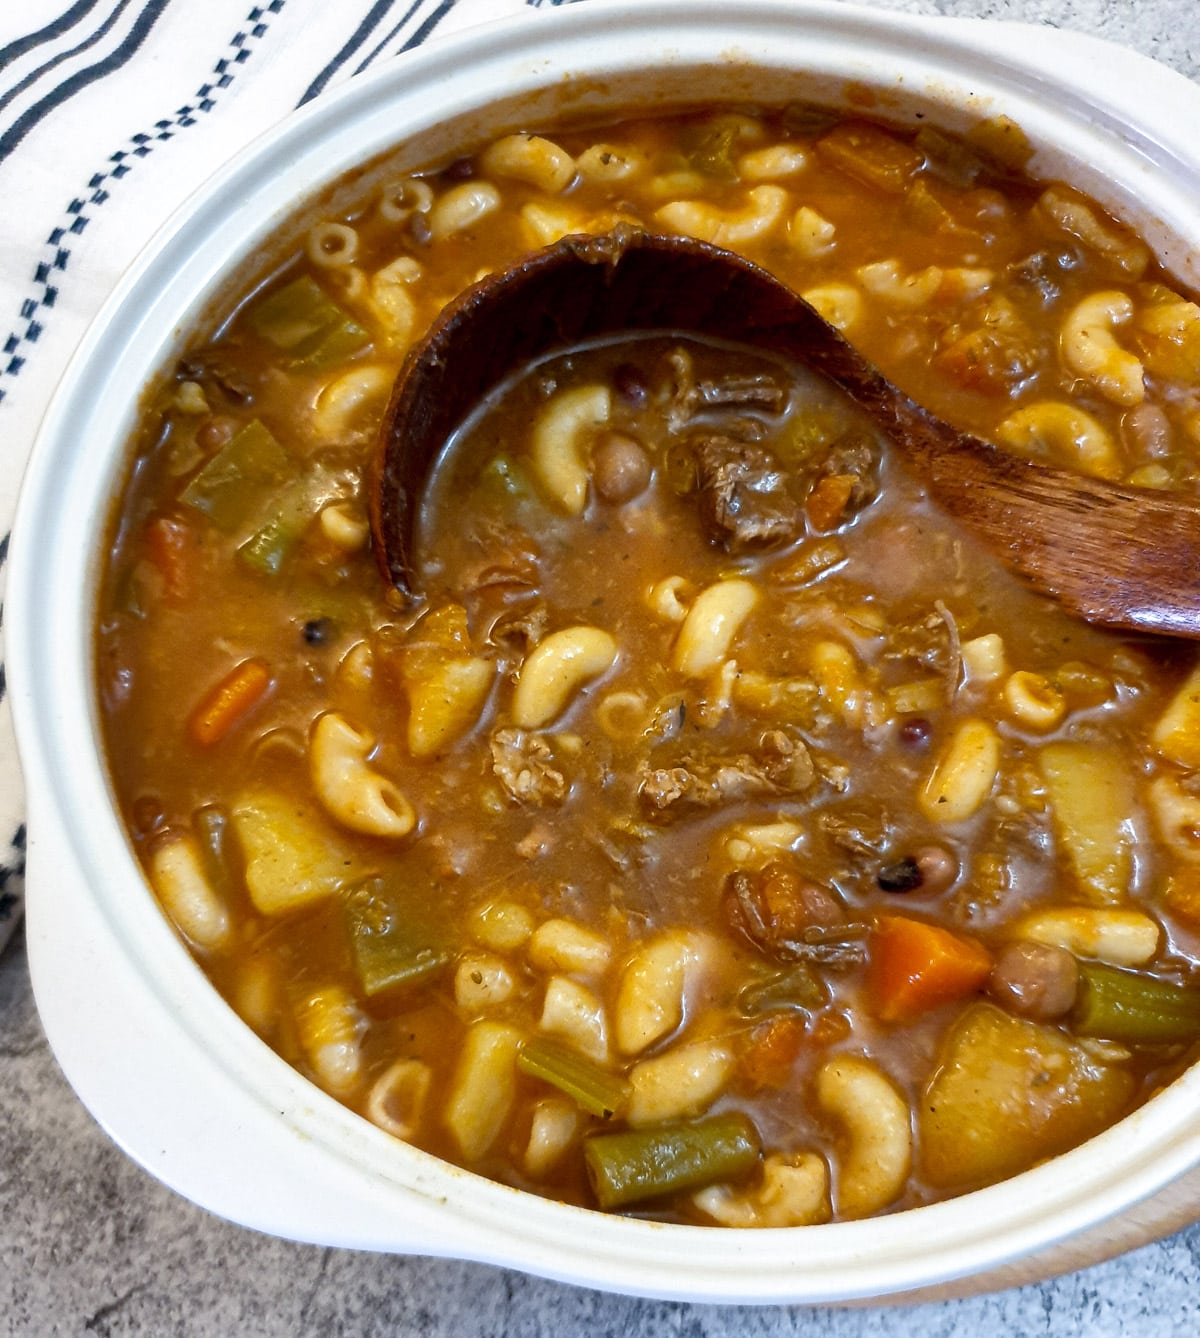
[827, 502]
[916, 966]
[767, 1060]
[228, 701]
[168, 541]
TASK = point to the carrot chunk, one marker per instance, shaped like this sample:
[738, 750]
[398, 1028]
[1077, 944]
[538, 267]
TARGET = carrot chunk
[827, 502]
[168, 541]
[228, 701]
[916, 966]
[767, 1061]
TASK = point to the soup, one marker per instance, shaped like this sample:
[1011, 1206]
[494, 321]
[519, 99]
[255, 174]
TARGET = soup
[721, 836]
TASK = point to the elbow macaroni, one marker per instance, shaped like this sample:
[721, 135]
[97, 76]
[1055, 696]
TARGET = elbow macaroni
[351, 790]
[556, 669]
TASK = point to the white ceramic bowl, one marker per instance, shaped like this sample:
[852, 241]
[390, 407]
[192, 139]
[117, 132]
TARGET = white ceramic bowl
[159, 1059]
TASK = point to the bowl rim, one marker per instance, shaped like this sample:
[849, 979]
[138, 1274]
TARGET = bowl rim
[83, 881]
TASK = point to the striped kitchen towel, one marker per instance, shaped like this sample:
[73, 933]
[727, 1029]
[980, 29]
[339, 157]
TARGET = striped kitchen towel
[111, 113]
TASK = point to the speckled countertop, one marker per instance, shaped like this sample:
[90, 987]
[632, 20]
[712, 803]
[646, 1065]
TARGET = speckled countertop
[91, 1244]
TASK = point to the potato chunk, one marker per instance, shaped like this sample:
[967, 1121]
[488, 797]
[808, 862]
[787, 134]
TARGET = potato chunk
[1091, 793]
[1009, 1094]
[291, 860]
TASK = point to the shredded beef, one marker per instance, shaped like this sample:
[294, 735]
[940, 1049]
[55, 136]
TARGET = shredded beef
[863, 832]
[751, 391]
[790, 918]
[782, 766]
[219, 367]
[524, 765]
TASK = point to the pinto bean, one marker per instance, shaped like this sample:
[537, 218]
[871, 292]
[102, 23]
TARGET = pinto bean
[930, 870]
[1034, 980]
[620, 468]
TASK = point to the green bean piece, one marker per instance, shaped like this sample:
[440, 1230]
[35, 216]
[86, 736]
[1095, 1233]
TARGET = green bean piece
[211, 824]
[1134, 1007]
[590, 1086]
[302, 320]
[795, 988]
[396, 941]
[636, 1164]
[230, 487]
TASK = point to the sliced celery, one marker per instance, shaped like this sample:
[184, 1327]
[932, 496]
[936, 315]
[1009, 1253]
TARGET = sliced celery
[713, 151]
[229, 488]
[590, 1086]
[291, 511]
[267, 549]
[1134, 1007]
[395, 938]
[301, 320]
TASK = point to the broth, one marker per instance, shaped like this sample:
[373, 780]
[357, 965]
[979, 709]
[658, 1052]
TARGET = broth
[723, 836]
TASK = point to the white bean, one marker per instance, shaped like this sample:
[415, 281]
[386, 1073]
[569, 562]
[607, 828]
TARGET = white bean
[1110, 934]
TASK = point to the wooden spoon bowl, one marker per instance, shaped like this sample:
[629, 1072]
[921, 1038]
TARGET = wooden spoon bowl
[1115, 556]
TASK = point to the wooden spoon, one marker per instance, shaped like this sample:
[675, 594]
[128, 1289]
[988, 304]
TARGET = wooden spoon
[1115, 556]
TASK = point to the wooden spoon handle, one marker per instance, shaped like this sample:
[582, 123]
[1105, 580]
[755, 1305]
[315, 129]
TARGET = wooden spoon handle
[1119, 557]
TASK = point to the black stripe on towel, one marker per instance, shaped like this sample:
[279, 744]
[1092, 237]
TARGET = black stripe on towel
[65, 54]
[430, 23]
[24, 123]
[370, 22]
[48, 275]
[16, 49]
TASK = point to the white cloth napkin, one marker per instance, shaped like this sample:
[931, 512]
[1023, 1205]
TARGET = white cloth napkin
[111, 113]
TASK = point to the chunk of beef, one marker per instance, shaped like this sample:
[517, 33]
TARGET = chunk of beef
[855, 457]
[220, 368]
[745, 500]
[524, 766]
[782, 765]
